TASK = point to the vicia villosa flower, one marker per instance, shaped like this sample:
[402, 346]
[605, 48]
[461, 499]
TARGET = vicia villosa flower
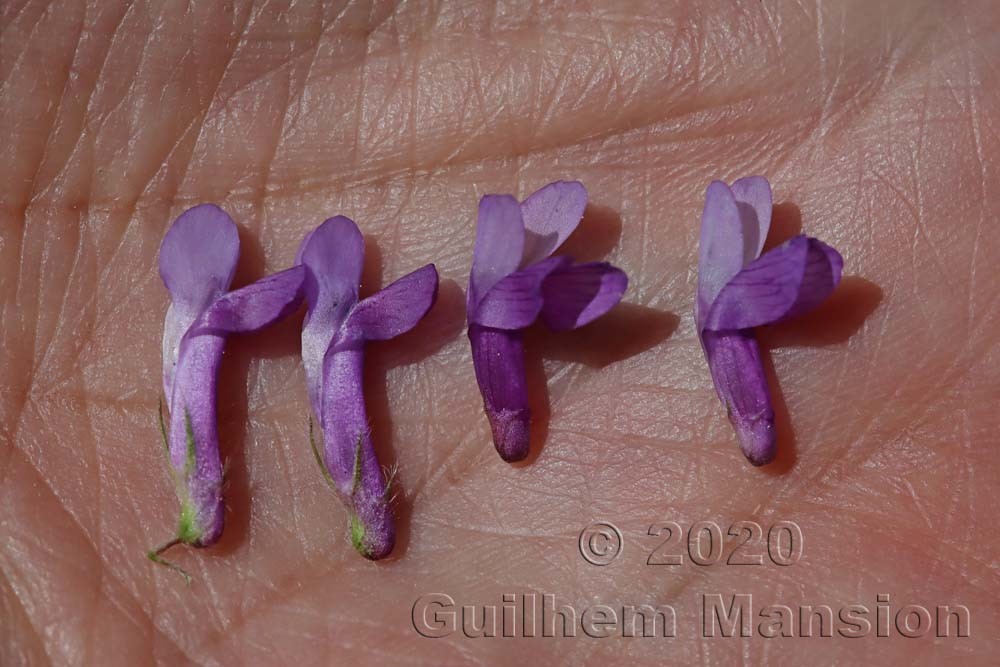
[334, 335]
[739, 289]
[514, 280]
[197, 261]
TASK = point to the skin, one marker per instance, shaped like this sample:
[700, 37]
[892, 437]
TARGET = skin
[877, 124]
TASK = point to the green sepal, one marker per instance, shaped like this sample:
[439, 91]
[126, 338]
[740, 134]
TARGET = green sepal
[358, 536]
[163, 429]
[192, 450]
[319, 457]
[188, 531]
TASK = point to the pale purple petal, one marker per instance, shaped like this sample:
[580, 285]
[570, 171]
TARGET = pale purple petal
[516, 301]
[739, 290]
[720, 250]
[193, 438]
[498, 359]
[349, 455]
[196, 463]
[824, 268]
[499, 244]
[395, 309]
[576, 295]
[198, 257]
[255, 306]
[333, 255]
[505, 301]
[175, 325]
[787, 281]
[735, 362]
[753, 198]
[197, 260]
[550, 216]
[336, 329]
[302, 247]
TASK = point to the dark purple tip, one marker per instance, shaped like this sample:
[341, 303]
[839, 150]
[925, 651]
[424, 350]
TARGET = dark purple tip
[511, 433]
[757, 438]
[498, 359]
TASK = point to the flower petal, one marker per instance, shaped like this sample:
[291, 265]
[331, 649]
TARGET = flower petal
[789, 280]
[498, 359]
[302, 247]
[197, 260]
[198, 257]
[516, 301]
[720, 250]
[550, 216]
[576, 295]
[333, 255]
[395, 309]
[349, 454]
[738, 373]
[255, 306]
[175, 324]
[753, 198]
[499, 244]
[193, 439]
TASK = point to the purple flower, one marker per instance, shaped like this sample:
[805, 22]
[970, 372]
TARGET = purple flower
[513, 281]
[197, 260]
[334, 334]
[739, 289]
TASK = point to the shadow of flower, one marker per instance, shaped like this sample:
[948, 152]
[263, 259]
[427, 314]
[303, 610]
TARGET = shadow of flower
[625, 331]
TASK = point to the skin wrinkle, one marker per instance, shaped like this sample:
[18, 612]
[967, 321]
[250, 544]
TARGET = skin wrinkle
[31, 34]
[360, 108]
[97, 541]
[103, 119]
[269, 160]
[976, 133]
[918, 538]
[80, 326]
[43, 354]
[8, 15]
[196, 123]
[75, 523]
[472, 481]
[10, 597]
[388, 177]
[89, 97]
[201, 119]
[62, 96]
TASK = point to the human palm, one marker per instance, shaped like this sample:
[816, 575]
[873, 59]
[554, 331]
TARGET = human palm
[878, 128]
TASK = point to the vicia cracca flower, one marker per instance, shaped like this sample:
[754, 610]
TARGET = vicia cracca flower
[334, 334]
[739, 289]
[197, 260]
[514, 280]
